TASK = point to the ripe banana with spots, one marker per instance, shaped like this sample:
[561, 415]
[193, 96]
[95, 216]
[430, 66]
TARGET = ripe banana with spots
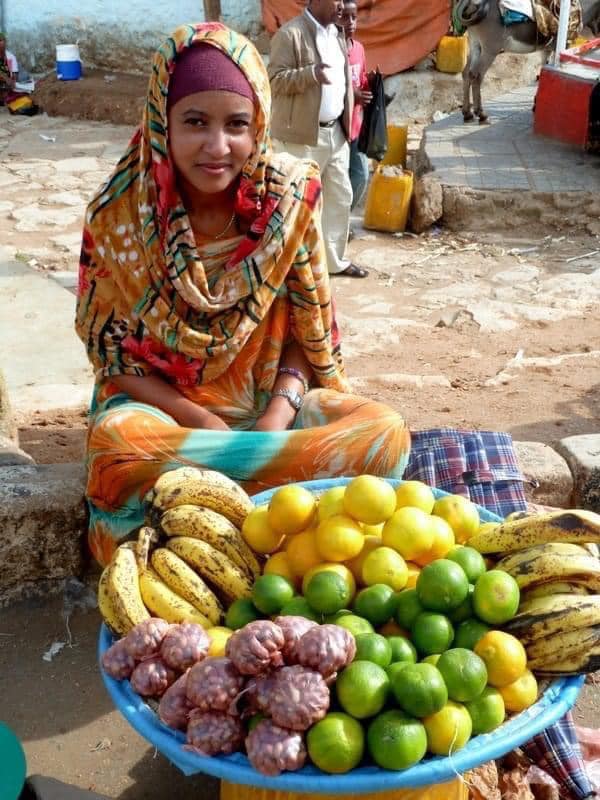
[552, 616]
[579, 664]
[214, 566]
[214, 529]
[544, 653]
[204, 487]
[182, 579]
[575, 526]
[122, 588]
[553, 562]
[165, 603]
[105, 605]
[552, 588]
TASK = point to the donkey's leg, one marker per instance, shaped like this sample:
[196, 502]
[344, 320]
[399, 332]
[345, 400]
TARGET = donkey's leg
[486, 59]
[466, 79]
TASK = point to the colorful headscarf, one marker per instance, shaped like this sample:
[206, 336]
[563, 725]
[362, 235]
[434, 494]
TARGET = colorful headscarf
[144, 303]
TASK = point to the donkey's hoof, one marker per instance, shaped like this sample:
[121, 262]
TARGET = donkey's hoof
[484, 119]
[468, 116]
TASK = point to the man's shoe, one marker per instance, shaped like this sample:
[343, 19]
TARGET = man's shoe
[353, 271]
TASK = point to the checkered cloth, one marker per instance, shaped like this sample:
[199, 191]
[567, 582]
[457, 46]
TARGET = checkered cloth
[481, 465]
[556, 751]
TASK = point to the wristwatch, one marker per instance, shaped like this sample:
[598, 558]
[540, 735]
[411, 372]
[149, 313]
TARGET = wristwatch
[294, 399]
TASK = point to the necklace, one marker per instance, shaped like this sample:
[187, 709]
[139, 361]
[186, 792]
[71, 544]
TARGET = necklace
[226, 228]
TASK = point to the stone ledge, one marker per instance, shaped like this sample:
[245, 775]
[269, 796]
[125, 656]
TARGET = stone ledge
[43, 521]
[548, 479]
[582, 454]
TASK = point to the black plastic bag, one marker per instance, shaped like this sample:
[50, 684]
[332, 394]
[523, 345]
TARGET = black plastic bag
[373, 140]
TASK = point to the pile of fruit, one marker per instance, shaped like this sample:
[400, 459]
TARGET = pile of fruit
[367, 622]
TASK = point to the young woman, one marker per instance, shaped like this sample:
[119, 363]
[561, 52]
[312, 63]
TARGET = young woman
[204, 300]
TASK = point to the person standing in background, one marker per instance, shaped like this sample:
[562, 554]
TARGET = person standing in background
[9, 69]
[312, 114]
[359, 164]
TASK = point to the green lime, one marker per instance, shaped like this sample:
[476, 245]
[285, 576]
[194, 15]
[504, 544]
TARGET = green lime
[373, 647]
[362, 689]
[432, 659]
[408, 608]
[240, 613]
[396, 741]
[471, 561]
[343, 612]
[402, 649]
[336, 744]
[356, 625]
[464, 610]
[271, 593]
[327, 592]
[254, 720]
[432, 633]
[442, 586]
[298, 607]
[487, 711]
[469, 632]
[376, 603]
[496, 597]
[394, 668]
[420, 690]
[464, 673]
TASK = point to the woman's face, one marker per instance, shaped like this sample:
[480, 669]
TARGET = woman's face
[211, 136]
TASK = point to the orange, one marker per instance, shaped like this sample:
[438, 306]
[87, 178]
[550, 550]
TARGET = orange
[504, 657]
[415, 494]
[443, 542]
[279, 564]
[461, 514]
[442, 586]
[355, 564]
[258, 532]
[341, 570]
[487, 711]
[396, 741]
[362, 689]
[384, 565]
[464, 674]
[369, 499]
[409, 531]
[339, 538]
[414, 570]
[520, 694]
[448, 729]
[496, 597]
[218, 639]
[419, 690]
[291, 509]
[302, 554]
[392, 628]
[331, 502]
[336, 744]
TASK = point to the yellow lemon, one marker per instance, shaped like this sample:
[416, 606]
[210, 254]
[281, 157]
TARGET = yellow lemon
[443, 541]
[409, 532]
[355, 564]
[520, 694]
[218, 639]
[373, 530]
[384, 565]
[279, 564]
[302, 553]
[258, 533]
[341, 570]
[291, 509]
[339, 538]
[449, 729]
[369, 499]
[331, 502]
[415, 494]
[460, 513]
[414, 570]
[504, 657]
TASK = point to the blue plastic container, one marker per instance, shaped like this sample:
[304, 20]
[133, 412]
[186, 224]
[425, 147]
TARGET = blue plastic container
[68, 62]
[554, 703]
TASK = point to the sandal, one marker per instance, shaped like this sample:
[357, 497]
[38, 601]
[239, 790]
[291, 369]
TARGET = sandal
[354, 271]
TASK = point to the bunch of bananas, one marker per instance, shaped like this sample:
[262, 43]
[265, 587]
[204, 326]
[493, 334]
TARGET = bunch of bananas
[190, 563]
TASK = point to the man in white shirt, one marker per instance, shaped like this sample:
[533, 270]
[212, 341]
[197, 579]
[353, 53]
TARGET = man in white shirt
[9, 69]
[312, 110]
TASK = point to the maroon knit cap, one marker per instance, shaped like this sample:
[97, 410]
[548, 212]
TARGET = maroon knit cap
[204, 68]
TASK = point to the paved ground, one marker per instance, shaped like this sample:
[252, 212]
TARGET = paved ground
[506, 154]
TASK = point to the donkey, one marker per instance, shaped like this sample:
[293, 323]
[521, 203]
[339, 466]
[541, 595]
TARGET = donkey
[488, 37]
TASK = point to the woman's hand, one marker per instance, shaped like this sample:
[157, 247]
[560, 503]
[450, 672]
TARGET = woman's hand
[189, 415]
[362, 96]
[279, 416]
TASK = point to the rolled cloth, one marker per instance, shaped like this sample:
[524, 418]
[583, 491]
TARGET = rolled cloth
[205, 68]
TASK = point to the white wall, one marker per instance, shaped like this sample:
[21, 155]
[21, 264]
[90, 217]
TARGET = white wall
[117, 34]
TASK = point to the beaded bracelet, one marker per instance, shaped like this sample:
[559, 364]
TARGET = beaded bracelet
[297, 374]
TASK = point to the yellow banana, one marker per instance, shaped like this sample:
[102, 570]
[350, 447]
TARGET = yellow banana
[514, 560]
[575, 526]
[213, 528]
[109, 615]
[182, 579]
[213, 565]
[579, 664]
[543, 653]
[206, 488]
[165, 603]
[537, 566]
[548, 616]
[554, 587]
[173, 477]
[123, 588]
